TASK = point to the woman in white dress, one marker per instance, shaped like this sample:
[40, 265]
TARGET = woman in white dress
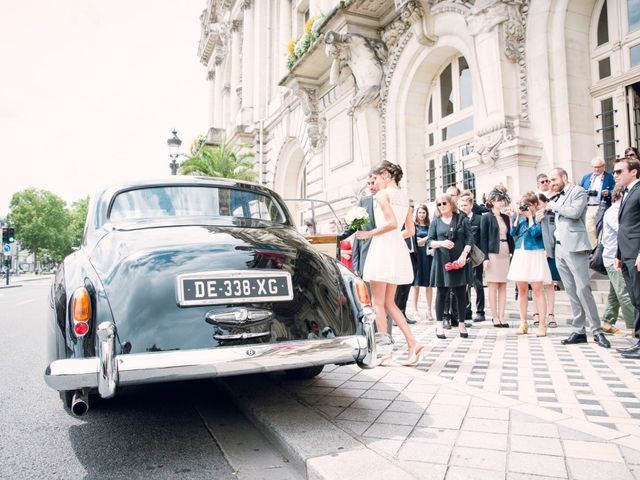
[388, 262]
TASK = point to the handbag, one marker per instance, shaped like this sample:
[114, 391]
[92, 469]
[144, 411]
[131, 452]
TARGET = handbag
[476, 255]
[595, 260]
[596, 263]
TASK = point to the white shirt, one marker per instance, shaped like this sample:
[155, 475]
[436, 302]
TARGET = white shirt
[610, 234]
[595, 184]
[629, 187]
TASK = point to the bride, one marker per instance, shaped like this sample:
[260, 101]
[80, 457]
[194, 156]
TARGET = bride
[388, 263]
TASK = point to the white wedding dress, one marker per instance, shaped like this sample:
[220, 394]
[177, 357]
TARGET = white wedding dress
[388, 259]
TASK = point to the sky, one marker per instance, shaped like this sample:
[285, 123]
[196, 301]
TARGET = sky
[91, 89]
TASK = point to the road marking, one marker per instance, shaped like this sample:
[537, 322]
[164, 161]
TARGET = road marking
[24, 302]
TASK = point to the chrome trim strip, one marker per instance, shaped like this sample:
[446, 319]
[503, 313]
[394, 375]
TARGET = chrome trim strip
[152, 367]
[241, 336]
[240, 274]
[107, 373]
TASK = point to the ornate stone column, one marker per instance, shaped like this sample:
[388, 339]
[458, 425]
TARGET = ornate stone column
[247, 63]
[260, 44]
[236, 73]
[284, 36]
[218, 119]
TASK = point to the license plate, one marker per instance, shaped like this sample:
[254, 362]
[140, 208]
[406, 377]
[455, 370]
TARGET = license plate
[234, 286]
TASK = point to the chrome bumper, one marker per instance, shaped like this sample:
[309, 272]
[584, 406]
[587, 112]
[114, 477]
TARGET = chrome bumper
[108, 371]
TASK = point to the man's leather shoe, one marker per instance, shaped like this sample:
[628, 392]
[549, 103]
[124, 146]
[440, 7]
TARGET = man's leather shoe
[635, 356]
[446, 324]
[574, 338]
[632, 350]
[479, 318]
[601, 340]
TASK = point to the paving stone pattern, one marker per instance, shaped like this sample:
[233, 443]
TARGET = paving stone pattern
[495, 405]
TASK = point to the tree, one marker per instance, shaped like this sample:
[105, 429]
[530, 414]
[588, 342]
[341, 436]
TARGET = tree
[224, 161]
[77, 219]
[41, 222]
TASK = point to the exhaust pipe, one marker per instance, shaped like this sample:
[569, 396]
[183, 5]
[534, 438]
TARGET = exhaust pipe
[79, 403]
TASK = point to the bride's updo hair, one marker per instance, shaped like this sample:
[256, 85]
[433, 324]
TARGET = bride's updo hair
[394, 170]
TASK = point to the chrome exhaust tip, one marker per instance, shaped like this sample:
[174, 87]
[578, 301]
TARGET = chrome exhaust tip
[79, 403]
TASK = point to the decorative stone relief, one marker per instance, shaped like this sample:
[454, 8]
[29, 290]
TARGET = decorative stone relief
[487, 143]
[457, 6]
[363, 58]
[315, 123]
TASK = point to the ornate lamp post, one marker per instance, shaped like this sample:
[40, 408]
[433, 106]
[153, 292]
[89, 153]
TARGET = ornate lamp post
[174, 145]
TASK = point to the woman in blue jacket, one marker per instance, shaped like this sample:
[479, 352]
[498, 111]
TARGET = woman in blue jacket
[529, 263]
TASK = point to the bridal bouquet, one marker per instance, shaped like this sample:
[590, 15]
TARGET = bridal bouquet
[357, 218]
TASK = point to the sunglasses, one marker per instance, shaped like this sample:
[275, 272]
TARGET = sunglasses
[618, 171]
[544, 181]
[442, 204]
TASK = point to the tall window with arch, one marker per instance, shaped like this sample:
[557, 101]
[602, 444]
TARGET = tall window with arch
[449, 128]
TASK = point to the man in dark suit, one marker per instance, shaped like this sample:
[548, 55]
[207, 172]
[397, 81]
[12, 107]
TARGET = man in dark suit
[402, 292]
[627, 173]
[361, 247]
[465, 204]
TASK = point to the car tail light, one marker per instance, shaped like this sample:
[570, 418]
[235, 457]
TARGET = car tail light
[362, 292]
[81, 311]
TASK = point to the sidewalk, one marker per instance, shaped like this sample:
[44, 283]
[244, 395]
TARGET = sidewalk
[494, 406]
[16, 281]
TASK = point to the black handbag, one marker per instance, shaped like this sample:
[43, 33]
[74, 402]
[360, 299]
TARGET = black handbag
[596, 262]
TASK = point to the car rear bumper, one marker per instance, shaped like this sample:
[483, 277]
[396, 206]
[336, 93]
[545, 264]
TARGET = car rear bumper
[108, 371]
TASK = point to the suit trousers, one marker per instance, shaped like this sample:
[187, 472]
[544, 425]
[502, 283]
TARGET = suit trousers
[574, 272]
[477, 285]
[402, 292]
[632, 279]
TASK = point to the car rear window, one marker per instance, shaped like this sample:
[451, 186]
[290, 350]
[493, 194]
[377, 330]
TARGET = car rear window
[194, 201]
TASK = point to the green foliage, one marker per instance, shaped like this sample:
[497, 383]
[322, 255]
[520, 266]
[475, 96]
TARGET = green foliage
[41, 222]
[77, 217]
[225, 161]
[44, 225]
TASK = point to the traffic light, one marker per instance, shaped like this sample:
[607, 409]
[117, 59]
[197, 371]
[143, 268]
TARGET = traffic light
[8, 235]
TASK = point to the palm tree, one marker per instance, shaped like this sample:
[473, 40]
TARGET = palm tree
[224, 161]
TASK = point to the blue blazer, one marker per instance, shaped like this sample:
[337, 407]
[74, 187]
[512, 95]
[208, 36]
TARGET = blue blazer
[530, 235]
[608, 183]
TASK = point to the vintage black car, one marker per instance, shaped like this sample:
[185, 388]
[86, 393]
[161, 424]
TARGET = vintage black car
[197, 277]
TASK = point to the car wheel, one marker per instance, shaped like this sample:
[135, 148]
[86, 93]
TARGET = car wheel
[304, 372]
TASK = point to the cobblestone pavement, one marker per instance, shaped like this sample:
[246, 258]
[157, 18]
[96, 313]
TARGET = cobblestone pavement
[495, 405]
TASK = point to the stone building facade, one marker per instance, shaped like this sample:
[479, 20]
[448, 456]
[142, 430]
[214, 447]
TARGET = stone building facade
[459, 92]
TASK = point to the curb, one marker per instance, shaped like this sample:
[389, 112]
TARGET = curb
[315, 446]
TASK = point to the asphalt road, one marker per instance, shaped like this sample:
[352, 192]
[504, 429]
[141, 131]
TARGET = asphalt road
[157, 431]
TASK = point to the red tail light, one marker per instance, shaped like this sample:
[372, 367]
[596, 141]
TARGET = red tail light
[81, 311]
[362, 292]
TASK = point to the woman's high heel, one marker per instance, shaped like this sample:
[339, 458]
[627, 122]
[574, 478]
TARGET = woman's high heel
[415, 354]
[524, 329]
[542, 330]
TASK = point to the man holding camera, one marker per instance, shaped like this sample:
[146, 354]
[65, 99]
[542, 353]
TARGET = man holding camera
[599, 185]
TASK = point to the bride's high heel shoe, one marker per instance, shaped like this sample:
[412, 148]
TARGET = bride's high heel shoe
[415, 354]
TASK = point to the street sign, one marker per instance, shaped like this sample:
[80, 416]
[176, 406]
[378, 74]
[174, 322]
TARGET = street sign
[6, 249]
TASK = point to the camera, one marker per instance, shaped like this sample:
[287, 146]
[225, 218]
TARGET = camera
[592, 193]
[524, 208]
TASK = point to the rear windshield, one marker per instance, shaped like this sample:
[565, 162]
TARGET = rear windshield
[194, 201]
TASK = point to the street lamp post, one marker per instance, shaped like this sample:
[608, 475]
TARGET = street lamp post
[174, 145]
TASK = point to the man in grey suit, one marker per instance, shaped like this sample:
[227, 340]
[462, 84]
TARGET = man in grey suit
[572, 257]
[361, 247]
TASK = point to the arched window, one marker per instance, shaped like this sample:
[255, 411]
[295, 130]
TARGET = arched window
[449, 128]
[616, 27]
